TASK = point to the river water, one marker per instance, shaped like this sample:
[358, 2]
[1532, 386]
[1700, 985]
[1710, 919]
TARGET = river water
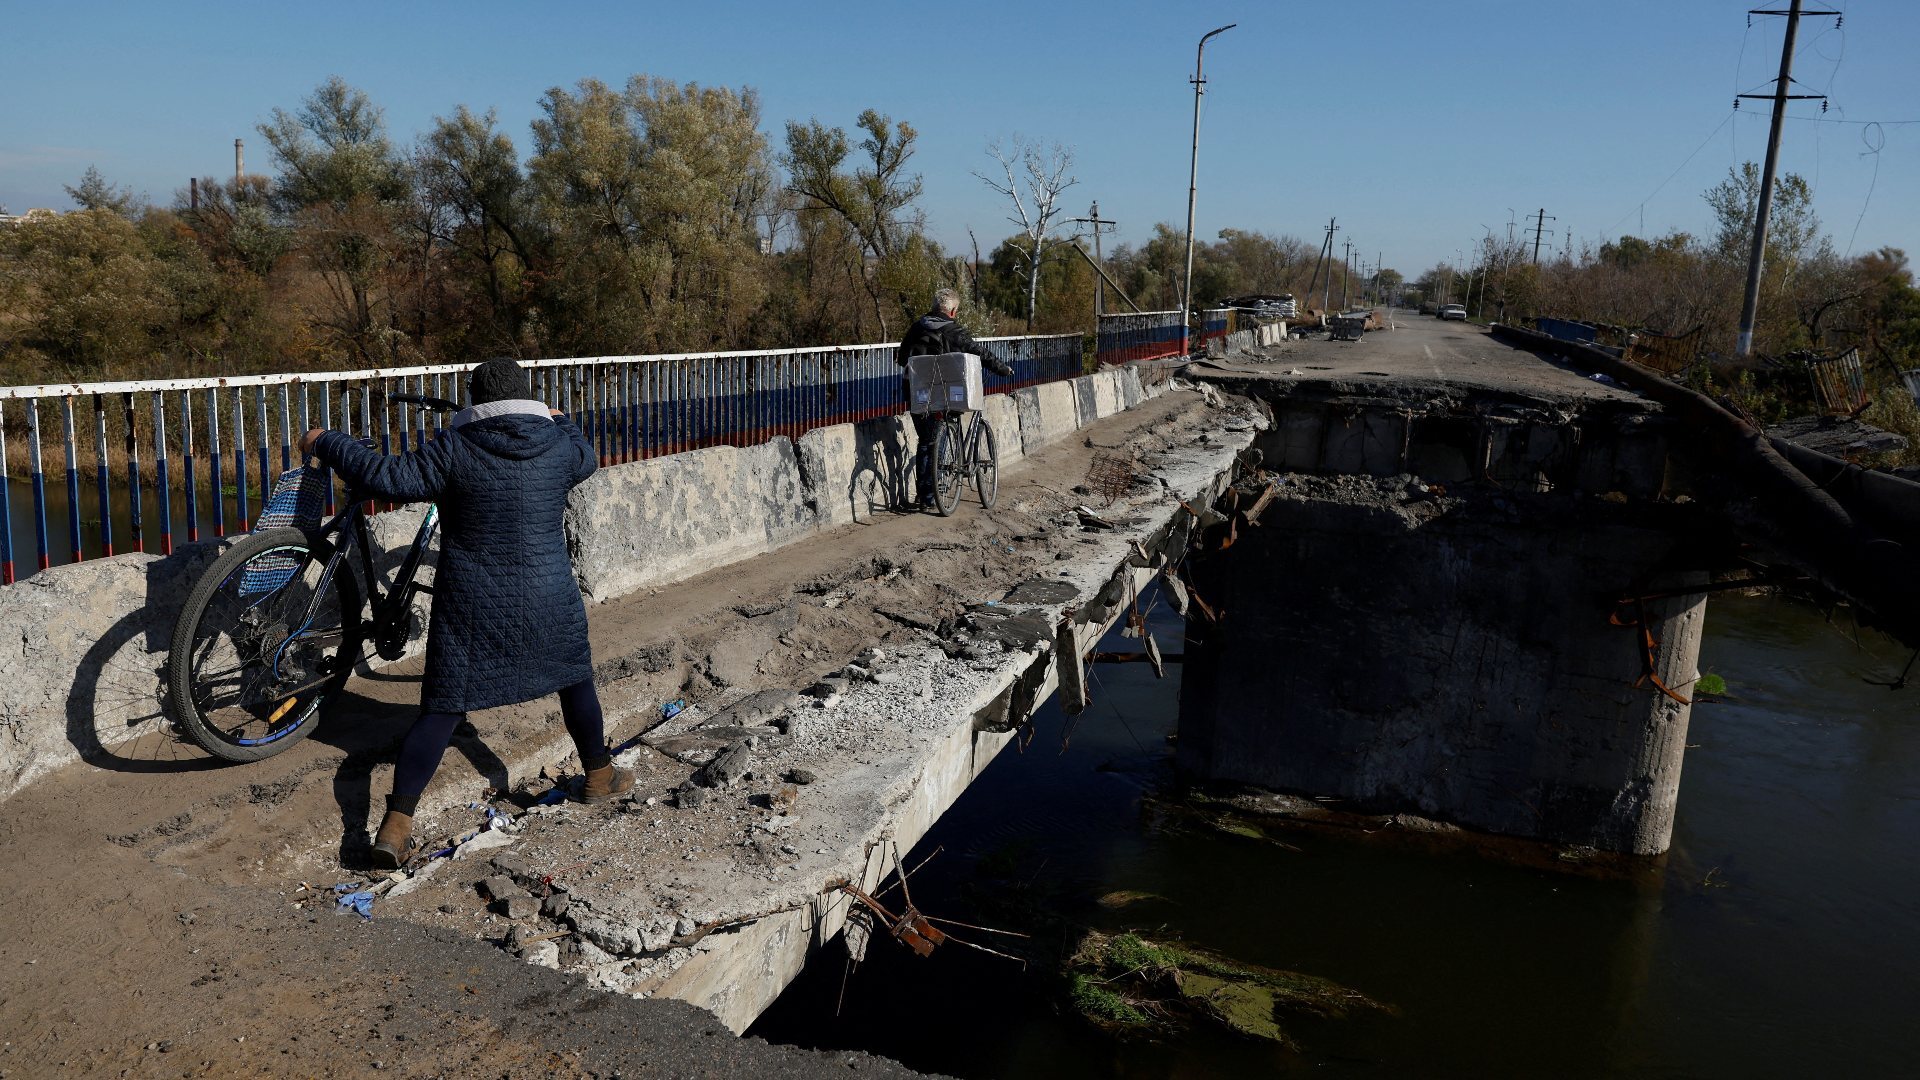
[1781, 936]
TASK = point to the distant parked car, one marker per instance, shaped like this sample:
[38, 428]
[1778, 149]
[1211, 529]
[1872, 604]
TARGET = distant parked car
[1453, 311]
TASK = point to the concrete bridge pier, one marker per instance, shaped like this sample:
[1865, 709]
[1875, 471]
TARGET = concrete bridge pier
[1403, 649]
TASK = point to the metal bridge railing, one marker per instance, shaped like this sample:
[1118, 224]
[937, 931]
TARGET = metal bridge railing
[1215, 324]
[214, 445]
[1151, 335]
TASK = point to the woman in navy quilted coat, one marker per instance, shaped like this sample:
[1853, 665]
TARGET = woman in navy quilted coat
[508, 625]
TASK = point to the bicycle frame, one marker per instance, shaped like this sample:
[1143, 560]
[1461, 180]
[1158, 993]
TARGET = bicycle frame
[392, 606]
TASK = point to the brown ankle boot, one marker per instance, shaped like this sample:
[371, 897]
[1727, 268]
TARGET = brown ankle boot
[605, 783]
[394, 840]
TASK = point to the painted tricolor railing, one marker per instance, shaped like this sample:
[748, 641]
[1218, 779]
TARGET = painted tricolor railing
[1156, 335]
[212, 446]
[1216, 324]
[1147, 335]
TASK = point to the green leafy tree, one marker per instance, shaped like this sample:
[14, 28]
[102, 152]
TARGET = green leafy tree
[476, 205]
[94, 193]
[654, 195]
[85, 294]
[875, 200]
[343, 187]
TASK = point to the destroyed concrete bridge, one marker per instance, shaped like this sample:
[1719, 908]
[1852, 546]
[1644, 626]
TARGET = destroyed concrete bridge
[1427, 573]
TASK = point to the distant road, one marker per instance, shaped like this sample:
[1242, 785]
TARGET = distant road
[1420, 352]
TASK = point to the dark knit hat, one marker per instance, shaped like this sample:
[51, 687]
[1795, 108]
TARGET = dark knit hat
[500, 379]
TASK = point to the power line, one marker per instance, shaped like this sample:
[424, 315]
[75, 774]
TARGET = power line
[1724, 121]
[1874, 149]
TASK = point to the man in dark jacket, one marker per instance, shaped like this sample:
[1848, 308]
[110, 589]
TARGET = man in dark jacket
[508, 625]
[934, 333]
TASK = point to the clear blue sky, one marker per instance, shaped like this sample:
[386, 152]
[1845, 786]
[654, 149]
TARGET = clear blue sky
[1415, 123]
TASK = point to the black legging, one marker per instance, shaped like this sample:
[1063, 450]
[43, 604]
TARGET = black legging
[427, 739]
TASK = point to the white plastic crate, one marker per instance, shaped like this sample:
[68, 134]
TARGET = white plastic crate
[943, 382]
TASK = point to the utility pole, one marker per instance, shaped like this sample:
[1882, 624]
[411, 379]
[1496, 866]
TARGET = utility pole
[1539, 221]
[1346, 274]
[1750, 303]
[1100, 283]
[1325, 260]
[1193, 178]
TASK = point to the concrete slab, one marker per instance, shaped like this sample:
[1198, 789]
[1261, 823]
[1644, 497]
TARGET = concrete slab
[1085, 404]
[1106, 393]
[1048, 413]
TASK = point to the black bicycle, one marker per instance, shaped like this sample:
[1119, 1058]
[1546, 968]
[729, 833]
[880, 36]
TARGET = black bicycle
[273, 629]
[964, 454]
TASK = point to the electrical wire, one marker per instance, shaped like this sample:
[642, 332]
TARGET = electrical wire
[1724, 121]
[1866, 136]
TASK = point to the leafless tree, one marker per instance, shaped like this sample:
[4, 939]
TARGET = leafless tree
[1032, 177]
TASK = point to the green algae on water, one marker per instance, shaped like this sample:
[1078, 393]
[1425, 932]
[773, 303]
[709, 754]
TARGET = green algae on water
[1120, 898]
[1126, 982]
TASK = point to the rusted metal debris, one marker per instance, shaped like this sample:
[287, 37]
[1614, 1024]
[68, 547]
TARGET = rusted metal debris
[910, 926]
[1111, 475]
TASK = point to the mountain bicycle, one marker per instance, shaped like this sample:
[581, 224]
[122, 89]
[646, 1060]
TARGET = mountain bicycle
[273, 628]
[963, 454]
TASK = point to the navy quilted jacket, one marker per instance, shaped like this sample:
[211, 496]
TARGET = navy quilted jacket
[508, 625]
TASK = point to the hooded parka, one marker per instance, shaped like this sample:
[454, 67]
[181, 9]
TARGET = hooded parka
[508, 624]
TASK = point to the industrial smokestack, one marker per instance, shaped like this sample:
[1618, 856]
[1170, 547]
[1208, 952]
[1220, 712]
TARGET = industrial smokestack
[239, 162]
[193, 192]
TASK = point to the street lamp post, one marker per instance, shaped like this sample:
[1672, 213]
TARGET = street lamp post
[1193, 180]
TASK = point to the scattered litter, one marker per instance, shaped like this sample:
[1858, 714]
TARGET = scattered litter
[1605, 380]
[1090, 520]
[414, 881]
[672, 708]
[485, 841]
[360, 903]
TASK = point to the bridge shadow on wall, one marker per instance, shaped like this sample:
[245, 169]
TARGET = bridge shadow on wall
[116, 715]
[882, 469]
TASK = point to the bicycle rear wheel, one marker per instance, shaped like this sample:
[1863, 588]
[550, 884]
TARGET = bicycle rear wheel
[267, 638]
[948, 474]
[986, 463]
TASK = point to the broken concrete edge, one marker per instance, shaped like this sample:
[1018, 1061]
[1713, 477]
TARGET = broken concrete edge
[86, 643]
[733, 950]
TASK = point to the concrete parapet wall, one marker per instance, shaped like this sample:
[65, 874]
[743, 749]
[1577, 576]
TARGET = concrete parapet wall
[652, 522]
[1048, 413]
[85, 645]
[1004, 415]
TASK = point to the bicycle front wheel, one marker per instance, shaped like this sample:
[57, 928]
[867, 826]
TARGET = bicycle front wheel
[268, 637]
[986, 464]
[948, 474]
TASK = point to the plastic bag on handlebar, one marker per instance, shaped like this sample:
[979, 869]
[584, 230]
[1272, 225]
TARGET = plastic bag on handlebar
[298, 498]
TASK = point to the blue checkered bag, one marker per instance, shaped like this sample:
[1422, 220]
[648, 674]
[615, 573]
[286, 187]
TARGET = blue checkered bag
[297, 499]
